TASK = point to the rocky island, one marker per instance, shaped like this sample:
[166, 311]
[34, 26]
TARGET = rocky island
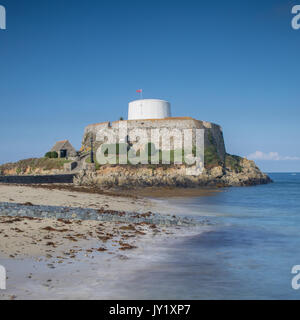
[220, 169]
[80, 214]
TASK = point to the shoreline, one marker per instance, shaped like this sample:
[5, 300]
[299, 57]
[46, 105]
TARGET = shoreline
[134, 193]
[173, 192]
[98, 275]
[44, 256]
[69, 196]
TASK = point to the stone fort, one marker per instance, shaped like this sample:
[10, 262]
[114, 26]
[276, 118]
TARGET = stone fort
[147, 115]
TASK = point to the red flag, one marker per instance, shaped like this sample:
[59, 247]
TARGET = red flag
[139, 90]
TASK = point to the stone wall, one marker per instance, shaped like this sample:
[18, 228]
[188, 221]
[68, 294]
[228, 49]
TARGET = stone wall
[213, 132]
[60, 178]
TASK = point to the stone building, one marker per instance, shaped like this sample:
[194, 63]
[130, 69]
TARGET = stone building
[154, 114]
[64, 149]
[214, 167]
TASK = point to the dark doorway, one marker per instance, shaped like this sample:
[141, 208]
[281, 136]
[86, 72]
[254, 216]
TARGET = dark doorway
[63, 153]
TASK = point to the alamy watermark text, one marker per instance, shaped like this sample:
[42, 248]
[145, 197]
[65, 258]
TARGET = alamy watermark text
[296, 18]
[2, 18]
[119, 145]
[296, 279]
[2, 278]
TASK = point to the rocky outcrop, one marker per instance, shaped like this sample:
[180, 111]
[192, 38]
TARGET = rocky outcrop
[245, 175]
[235, 172]
[69, 213]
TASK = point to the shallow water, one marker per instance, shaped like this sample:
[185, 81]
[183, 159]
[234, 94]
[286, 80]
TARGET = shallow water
[249, 254]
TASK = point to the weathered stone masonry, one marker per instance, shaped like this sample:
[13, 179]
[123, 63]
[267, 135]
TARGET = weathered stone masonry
[213, 132]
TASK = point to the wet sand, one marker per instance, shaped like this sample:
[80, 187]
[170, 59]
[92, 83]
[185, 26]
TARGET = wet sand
[71, 259]
[166, 192]
[67, 195]
[90, 275]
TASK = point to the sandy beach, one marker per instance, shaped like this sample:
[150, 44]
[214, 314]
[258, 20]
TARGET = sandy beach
[52, 258]
[58, 196]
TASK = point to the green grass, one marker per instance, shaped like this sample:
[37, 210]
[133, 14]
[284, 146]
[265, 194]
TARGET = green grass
[233, 162]
[34, 163]
[211, 157]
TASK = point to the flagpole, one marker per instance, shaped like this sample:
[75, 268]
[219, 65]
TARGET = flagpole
[140, 91]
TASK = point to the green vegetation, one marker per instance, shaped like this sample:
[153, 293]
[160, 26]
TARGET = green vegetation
[51, 155]
[143, 155]
[150, 149]
[211, 155]
[233, 162]
[119, 148]
[32, 164]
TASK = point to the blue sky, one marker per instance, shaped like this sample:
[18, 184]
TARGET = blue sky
[65, 64]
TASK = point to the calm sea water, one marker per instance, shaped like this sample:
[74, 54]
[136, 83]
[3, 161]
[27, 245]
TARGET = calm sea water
[249, 254]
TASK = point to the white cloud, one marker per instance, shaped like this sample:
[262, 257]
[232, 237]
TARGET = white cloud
[259, 155]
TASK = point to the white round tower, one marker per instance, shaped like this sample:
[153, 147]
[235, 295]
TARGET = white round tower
[149, 109]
